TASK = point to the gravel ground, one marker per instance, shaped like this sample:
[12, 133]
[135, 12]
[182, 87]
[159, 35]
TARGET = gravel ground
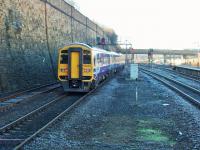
[126, 114]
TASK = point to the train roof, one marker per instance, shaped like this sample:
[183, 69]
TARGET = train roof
[78, 43]
[105, 51]
[95, 48]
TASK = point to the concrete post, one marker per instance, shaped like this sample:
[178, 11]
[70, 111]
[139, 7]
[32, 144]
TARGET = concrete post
[132, 58]
[165, 58]
[184, 57]
[170, 60]
[182, 60]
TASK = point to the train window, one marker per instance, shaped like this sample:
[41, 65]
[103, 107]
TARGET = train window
[107, 59]
[86, 57]
[94, 61]
[99, 59]
[64, 57]
[114, 58]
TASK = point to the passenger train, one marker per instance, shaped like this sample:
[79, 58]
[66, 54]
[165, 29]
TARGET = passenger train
[82, 67]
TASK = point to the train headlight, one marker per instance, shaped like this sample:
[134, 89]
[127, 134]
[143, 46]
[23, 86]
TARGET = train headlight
[63, 70]
[87, 70]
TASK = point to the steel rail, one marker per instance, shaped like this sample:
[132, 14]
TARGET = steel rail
[29, 115]
[179, 91]
[12, 104]
[25, 91]
[59, 116]
[177, 82]
[191, 77]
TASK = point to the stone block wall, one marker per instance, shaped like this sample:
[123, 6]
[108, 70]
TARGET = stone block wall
[31, 32]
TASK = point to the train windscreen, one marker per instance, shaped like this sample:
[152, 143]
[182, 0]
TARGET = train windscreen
[86, 57]
[64, 57]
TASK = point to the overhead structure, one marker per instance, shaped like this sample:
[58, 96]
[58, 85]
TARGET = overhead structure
[165, 52]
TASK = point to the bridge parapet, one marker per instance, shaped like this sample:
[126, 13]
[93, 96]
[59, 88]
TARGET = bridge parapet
[165, 52]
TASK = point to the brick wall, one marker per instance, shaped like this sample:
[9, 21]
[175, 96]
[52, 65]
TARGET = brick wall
[31, 31]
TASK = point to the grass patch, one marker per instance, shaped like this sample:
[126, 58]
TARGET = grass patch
[146, 132]
[153, 135]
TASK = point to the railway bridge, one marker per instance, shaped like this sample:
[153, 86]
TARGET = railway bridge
[167, 53]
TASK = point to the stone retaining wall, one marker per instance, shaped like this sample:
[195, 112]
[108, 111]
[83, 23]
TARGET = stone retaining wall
[31, 31]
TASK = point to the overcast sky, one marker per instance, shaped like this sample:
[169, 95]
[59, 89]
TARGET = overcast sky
[173, 24]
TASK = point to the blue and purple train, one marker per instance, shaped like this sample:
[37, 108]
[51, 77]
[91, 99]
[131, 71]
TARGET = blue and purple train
[82, 67]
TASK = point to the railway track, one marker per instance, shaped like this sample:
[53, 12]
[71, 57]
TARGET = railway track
[12, 100]
[189, 93]
[13, 95]
[19, 132]
[183, 78]
[190, 77]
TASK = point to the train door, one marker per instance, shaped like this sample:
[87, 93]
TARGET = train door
[75, 63]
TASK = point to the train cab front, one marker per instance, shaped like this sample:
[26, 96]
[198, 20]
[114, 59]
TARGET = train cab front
[75, 69]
